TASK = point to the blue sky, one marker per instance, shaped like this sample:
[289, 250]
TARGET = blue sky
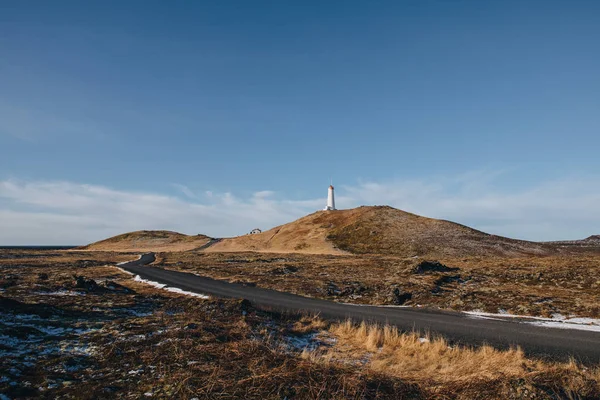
[235, 114]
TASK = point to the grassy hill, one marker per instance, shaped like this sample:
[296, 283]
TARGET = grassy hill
[379, 230]
[149, 241]
[362, 230]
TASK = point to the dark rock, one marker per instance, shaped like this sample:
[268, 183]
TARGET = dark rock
[398, 297]
[16, 307]
[115, 287]
[82, 282]
[332, 289]
[425, 267]
[245, 305]
[349, 288]
[89, 263]
[43, 276]
[284, 270]
[191, 326]
[442, 280]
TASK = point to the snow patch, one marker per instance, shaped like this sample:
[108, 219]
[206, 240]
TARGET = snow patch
[557, 320]
[60, 293]
[177, 290]
[169, 288]
[302, 342]
[127, 262]
[122, 270]
[147, 282]
[566, 324]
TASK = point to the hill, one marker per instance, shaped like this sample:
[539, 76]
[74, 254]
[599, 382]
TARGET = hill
[149, 241]
[380, 230]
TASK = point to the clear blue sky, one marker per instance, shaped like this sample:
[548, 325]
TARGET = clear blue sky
[245, 96]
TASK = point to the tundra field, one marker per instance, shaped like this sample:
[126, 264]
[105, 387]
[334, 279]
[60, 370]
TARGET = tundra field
[544, 286]
[74, 326]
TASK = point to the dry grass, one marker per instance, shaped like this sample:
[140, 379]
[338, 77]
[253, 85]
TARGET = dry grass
[538, 286]
[455, 370]
[123, 344]
[416, 357]
[307, 324]
[142, 241]
[386, 230]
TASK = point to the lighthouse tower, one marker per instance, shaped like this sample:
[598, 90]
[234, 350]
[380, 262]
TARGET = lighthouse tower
[330, 199]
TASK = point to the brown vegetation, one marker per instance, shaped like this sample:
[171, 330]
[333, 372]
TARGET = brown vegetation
[538, 286]
[457, 372]
[78, 328]
[141, 241]
[363, 230]
[388, 231]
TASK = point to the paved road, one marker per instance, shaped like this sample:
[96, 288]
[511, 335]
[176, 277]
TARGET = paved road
[457, 327]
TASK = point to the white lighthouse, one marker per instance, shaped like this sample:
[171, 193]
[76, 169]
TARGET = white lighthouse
[330, 199]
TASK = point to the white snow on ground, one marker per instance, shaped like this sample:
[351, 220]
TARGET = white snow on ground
[147, 282]
[557, 320]
[177, 290]
[170, 289]
[60, 293]
[127, 272]
[125, 262]
[308, 341]
[301, 342]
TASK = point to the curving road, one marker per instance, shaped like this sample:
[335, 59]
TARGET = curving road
[457, 327]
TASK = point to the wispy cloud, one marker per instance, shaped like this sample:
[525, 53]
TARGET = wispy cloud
[73, 213]
[185, 190]
[32, 124]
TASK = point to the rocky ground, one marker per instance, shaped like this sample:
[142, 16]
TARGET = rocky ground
[80, 329]
[536, 286]
[73, 326]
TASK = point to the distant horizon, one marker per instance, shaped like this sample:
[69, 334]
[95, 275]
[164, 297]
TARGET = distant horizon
[70, 246]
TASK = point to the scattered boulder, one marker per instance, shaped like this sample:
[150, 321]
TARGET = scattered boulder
[349, 289]
[286, 270]
[442, 280]
[245, 305]
[445, 279]
[16, 307]
[89, 263]
[332, 290]
[9, 280]
[11, 277]
[43, 276]
[115, 287]
[425, 267]
[82, 282]
[353, 288]
[398, 297]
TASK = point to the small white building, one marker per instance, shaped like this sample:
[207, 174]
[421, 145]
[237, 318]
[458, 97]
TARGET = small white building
[330, 199]
[255, 231]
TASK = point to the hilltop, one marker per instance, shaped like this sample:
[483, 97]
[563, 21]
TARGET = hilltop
[362, 230]
[149, 241]
[379, 230]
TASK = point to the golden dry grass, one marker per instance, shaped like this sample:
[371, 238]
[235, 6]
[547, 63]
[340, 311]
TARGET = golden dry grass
[144, 241]
[385, 230]
[432, 361]
[187, 347]
[537, 286]
[416, 357]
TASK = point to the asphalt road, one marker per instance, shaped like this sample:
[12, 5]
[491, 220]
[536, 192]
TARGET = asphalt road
[457, 327]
